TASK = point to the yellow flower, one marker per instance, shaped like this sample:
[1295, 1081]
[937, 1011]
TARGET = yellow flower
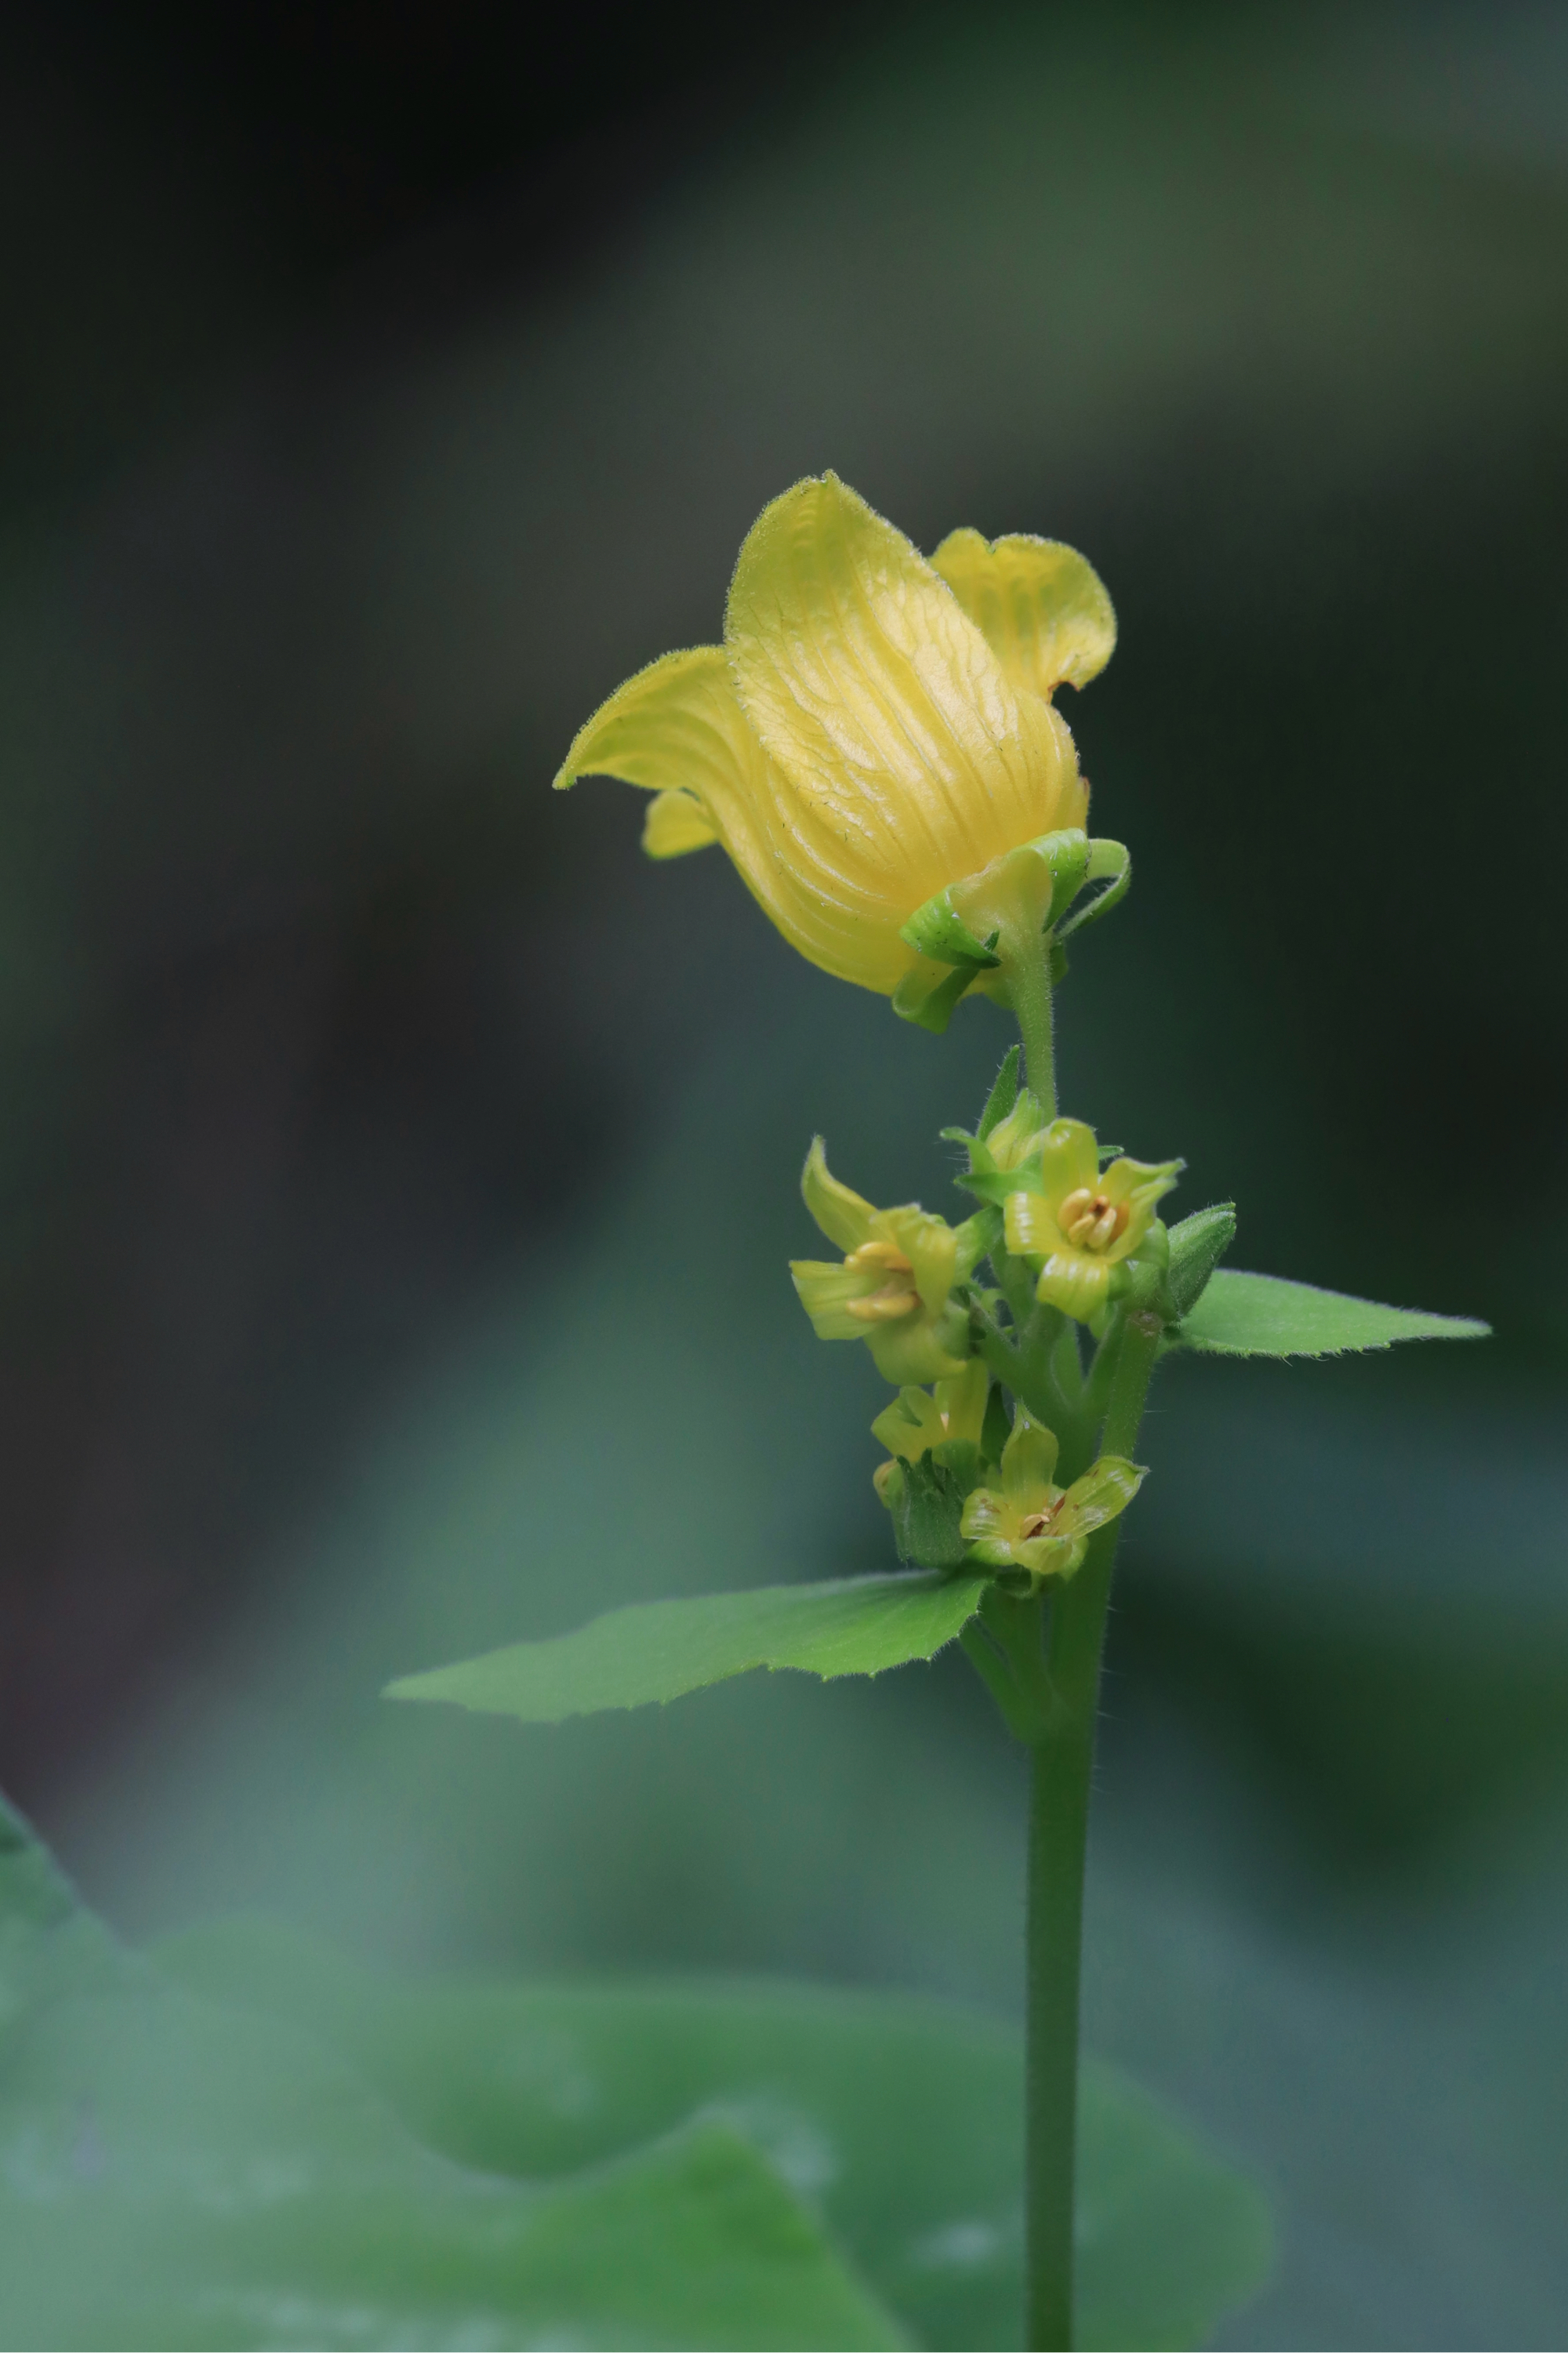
[1079, 1225]
[874, 728]
[1030, 1524]
[918, 1421]
[893, 1289]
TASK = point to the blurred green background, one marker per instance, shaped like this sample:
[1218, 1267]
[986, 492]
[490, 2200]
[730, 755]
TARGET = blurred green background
[398, 1173]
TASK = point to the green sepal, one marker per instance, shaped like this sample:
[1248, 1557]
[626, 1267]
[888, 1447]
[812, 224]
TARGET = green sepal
[995, 1185]
[1049, 871]
[997, 1426]
[937, 930]
[930, 1007]
[981, 1236]
[1003, 1093]
[1038, 880]
[1198, 1245]
[1143, 1280]
[1109, 862]
[1069, 856]
[925, 1500]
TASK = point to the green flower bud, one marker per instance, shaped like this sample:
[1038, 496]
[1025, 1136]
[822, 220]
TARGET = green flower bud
[925, 1500]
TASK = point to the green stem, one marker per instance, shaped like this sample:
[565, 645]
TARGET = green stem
[1061, 1777]
[1025, 958]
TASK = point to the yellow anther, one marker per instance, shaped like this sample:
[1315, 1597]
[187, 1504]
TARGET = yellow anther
[1091, 1222]
[1074, 1210]
[879, 1253]
[883, 1307]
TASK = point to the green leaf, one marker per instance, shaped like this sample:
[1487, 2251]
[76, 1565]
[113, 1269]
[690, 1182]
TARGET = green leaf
[657, 1650]
[1263, 1315]
[901, 2118]
[175, 2171]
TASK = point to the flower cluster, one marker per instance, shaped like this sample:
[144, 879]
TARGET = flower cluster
[876, 744]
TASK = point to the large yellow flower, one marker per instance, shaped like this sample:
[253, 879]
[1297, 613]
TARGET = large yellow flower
[874, 728]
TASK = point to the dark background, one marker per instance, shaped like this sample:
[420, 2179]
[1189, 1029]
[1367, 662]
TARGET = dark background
[398, 1173]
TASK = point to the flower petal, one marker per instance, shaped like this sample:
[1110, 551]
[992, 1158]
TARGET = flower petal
[962, 1401]
[931, 1246]
[840, 1212]
[984, 1517]
[1106, 1489]
[826, 1289]
[1050, 1556]
[675, 726]
[1138, 1182]
[910, 1350]
[1028, 1460]
[1043, 610]
[1079, 1285]
[911, 1426]
[678, 727]
[675, 824]
[1069, 1159]
[913, 760]
[1030, 1229]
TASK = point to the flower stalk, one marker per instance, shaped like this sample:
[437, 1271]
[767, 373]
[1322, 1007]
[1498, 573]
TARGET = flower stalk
[1061, 1775]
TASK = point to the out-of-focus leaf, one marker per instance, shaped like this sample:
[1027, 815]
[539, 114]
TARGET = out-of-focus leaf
[901, 2118]
[1263, 1315]
[174, 2172]
[657, 1650]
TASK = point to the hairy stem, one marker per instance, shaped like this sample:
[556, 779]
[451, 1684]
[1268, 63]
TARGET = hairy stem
[1062, 1768]
[1025, 958]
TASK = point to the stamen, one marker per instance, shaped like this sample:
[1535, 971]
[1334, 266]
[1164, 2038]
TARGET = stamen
[885, 1254]
[1039, 1523]
[1089, 1220]
[883, 1307]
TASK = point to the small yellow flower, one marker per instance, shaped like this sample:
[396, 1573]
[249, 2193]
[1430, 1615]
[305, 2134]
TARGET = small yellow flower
[917, 1420]
[874, 728]
[893, 1289]
[1080, 1225]
[1030, 1524]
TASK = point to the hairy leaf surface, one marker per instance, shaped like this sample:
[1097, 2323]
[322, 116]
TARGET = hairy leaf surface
[658, 1650]
[1263, 1315]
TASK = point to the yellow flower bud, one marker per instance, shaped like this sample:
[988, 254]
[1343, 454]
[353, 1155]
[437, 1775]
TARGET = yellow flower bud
[874, 728]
